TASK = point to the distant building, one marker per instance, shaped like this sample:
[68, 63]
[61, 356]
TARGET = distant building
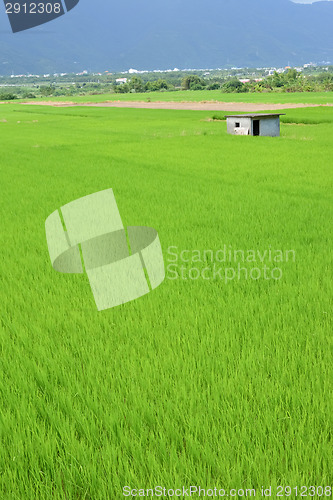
[309, 65]
[264, 124]
[121, 80]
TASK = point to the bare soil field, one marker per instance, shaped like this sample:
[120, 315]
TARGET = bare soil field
[190, 106]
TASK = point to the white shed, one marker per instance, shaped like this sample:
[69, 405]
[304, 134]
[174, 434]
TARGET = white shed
[264, 124]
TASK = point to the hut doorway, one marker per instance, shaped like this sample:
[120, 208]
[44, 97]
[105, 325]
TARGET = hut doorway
[256, 127]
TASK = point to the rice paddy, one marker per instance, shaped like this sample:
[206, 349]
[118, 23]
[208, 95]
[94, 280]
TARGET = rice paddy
[205, 381]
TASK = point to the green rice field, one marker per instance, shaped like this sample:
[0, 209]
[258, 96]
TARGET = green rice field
[222, 376]
[206, 95]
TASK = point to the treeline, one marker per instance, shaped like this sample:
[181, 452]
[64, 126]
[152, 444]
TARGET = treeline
[289, 81]
[136, 84]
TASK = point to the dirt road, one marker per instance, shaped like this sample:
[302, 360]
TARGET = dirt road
[190, 106]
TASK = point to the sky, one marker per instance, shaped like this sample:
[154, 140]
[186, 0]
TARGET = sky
[309, 1]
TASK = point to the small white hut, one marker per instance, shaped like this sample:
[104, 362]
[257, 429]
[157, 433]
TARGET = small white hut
[264, 124]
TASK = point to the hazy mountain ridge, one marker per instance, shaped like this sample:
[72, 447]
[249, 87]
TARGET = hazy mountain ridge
[98, 36]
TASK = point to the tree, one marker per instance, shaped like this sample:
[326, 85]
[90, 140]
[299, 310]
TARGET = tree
[161, 84]
[277, 80]
[123, 88]
[136, 84]
[292, 75]
[193, 82]
[156, 85]
[214, 86]
[234, 85]
[46, 90]
[28, 95]
[7, 96]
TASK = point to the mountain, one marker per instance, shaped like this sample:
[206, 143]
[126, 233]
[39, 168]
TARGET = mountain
[101, 35]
